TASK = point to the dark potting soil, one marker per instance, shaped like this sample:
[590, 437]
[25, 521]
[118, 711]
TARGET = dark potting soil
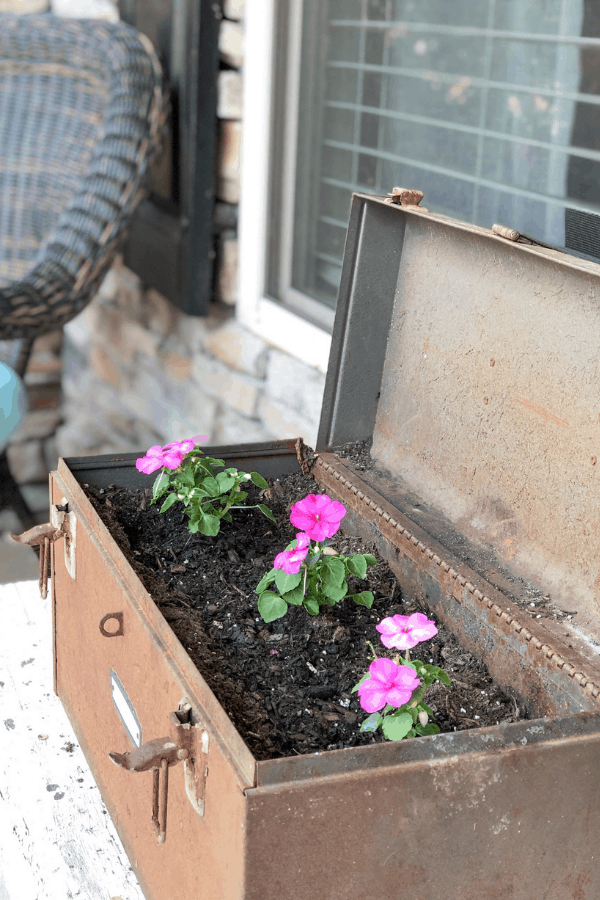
[285, 685]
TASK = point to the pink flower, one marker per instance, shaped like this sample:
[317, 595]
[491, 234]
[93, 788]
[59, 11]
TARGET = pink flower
[184, 447]
[318, 515]
[169, 456]
[291, 560]
[388, 683]
[404, 632]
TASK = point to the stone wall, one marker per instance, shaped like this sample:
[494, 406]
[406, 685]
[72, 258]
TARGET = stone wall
[137, 371]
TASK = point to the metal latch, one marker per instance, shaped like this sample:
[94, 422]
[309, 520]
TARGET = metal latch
[160, 754]
[62, 525]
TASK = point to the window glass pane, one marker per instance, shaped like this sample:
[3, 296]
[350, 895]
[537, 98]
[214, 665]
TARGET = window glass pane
[490, 107]
[472, 13]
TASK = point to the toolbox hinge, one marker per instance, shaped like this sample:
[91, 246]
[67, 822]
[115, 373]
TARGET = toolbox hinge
[517, 237]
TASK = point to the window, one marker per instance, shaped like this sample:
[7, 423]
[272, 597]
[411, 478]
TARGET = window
[490, 107]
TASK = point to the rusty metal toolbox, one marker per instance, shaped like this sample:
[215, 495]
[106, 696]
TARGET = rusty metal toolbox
[473, 363]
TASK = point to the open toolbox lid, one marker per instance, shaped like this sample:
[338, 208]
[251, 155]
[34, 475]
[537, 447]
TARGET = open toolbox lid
[473, 364]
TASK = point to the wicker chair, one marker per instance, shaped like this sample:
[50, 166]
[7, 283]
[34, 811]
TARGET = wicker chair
[81, 114]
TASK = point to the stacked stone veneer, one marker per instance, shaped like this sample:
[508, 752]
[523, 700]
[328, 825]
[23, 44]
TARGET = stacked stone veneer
[138, 372]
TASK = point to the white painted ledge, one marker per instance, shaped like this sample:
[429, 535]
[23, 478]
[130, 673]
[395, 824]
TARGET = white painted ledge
[57, 840]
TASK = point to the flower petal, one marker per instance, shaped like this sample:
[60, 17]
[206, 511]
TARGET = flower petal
[383, 670]
[335, 511]
[398, 696]
[372, 696]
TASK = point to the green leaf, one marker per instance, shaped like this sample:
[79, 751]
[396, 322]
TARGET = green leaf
[311, 606]
[397, 727]
[186, 477]
[265, 581]
[365, 598]
[333, 571]
[271, 606]
[439, 674]
[239, 496]
[226, 482]
[258, 480]
[287, 582]
[356, 686]
[209, 525]
[267, 512]
[336, 592]
[430, 728]
[211, 485]
[372, 723]
[171, 499]
[210, 463]
[295, 597]
[370, 560]
[357, 564]
[160, 485]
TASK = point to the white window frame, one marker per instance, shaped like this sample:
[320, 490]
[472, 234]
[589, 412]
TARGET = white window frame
[276, 324]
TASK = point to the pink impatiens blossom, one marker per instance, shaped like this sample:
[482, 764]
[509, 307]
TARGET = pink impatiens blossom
[404, 632]
[388, 683]
[291, 560]
[169, 456]
[188, 444]
[318, 515]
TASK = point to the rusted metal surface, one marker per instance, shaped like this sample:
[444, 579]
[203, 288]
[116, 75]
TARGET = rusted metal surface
[514, 472]
[429, 302]
[511, 812]
[472, 417]
[354, 821]
[43, 536]
[204, 847]
[406, 197]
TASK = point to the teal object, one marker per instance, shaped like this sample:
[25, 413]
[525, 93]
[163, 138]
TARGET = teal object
[13, 402]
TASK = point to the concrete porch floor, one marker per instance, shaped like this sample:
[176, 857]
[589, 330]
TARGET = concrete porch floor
[57, 840]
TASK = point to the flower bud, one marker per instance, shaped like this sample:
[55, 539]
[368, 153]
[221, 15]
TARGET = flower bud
[423, 717]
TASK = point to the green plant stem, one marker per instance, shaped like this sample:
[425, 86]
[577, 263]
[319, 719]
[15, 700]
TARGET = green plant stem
[372, 649]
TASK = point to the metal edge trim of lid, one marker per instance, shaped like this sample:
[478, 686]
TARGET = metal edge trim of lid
[556, 255]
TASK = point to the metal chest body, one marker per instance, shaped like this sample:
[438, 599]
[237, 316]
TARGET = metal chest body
[473, 364]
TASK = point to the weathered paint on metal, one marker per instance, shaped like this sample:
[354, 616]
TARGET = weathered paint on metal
[492, 815]
[438, 816]
[157, 674]
[505, 812]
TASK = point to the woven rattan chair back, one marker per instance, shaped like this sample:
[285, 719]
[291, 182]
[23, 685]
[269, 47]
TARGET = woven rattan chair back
[81, 114]
[81, 109]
